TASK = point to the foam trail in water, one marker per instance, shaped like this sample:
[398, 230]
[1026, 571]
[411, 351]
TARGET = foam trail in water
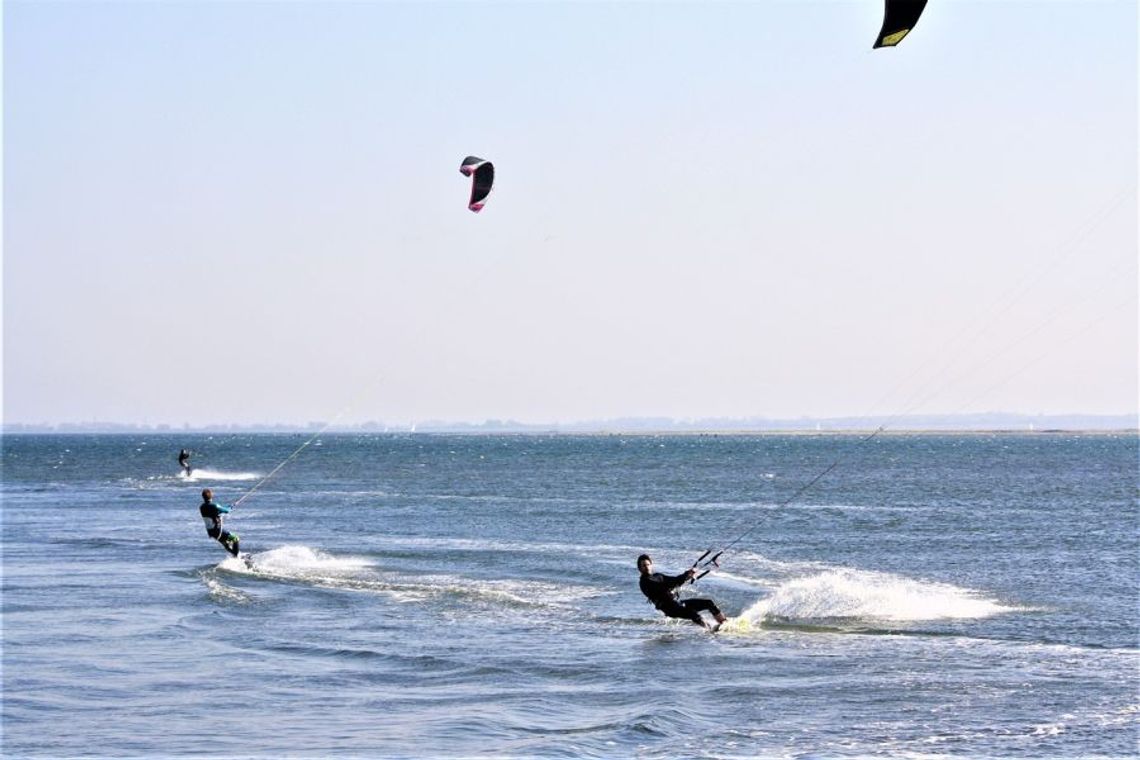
[295, 562]
[856, 594]
[311, 566]
[221, 591]
[199, 474]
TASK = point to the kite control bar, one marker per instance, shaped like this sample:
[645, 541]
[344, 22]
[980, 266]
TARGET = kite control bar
[705, 566]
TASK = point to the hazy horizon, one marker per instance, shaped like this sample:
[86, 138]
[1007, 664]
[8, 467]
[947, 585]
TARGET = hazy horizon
[980, 422]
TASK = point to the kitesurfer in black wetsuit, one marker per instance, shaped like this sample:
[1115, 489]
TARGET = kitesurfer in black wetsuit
[662, 591]
[184, 461]
[212, 515]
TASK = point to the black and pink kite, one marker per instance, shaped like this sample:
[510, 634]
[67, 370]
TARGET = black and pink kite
[482, 175]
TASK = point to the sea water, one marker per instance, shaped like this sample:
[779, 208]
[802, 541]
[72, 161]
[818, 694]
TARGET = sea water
[476, 596]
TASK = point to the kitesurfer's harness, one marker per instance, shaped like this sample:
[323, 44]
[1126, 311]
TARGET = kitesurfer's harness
[213, 521]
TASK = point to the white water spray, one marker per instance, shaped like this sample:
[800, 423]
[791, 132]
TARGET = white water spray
[202, 473]
[863, 595]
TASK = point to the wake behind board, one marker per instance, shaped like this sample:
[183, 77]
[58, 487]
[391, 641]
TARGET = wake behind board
[734, 625]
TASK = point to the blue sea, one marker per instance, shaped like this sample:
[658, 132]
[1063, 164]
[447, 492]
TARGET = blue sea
[409, 596]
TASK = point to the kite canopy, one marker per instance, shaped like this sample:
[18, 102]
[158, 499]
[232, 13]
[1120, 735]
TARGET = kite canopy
[482, 175]
[899, 18]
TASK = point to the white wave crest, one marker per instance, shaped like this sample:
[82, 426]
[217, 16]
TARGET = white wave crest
[867, 595]
[199, 474]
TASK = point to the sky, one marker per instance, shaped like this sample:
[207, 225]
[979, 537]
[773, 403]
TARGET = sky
[251, 213]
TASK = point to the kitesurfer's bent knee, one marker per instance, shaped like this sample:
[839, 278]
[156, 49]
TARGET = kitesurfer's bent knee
[702, 605]
[229, 541]
[686, 610]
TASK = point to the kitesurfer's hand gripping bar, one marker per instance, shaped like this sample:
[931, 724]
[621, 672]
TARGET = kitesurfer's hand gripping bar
[708, 565]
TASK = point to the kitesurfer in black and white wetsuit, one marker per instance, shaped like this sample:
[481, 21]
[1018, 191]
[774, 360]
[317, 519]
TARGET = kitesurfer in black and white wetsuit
[662, 591]
[212, 515]
[184, 462]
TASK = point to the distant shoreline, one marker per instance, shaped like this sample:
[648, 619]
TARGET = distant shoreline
[974, 423]
[600, 432]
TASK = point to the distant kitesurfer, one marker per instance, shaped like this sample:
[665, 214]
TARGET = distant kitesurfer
[184, 462]
[212, 515]
[662, 591]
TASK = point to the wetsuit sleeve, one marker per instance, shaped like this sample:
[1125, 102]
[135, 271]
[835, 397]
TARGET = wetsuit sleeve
[224, 508]
[673, 581]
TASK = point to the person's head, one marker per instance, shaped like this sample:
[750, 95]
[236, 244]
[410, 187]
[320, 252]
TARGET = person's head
[207, 495]
[644, 564]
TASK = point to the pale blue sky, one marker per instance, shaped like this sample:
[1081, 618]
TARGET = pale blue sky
[252, 212]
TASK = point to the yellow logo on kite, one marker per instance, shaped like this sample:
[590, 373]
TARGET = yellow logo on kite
[894, 39]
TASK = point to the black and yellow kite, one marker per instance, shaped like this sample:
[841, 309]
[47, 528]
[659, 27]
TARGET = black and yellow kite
[899, 18]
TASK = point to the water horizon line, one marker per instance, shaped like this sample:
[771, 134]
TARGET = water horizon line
[983, 422]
